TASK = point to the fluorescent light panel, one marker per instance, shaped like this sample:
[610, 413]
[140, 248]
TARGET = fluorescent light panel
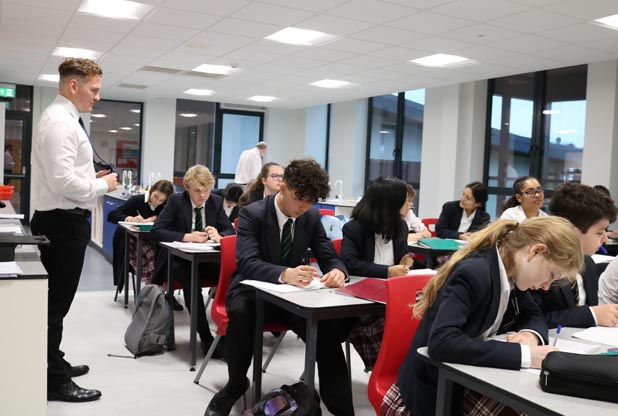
[113, 131]
[295, 36]
[197, 91]
[115, 9]
[262, 98]
[610, 22]
[215, 69]
[188, 115]
[50, 77]
[126, 128]
[330, 83]
[77, 53]
[98, 115]
[135, 110]
[442, 60]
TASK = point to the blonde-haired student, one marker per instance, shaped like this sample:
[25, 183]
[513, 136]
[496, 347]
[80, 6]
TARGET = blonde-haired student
[480, 292]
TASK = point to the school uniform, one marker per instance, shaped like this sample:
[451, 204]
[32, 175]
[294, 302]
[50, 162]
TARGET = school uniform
[450, 219]
[559, 305]
[467, 306]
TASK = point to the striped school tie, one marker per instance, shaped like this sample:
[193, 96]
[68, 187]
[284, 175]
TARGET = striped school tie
[198, 219]
[286, 242]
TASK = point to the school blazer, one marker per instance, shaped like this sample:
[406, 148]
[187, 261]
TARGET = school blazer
[358, 250]
[450, 218]
[558, 303]
[466, 307]
[175, 221]
[258, 245]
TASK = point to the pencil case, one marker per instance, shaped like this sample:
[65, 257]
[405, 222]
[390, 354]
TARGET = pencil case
[588, 376]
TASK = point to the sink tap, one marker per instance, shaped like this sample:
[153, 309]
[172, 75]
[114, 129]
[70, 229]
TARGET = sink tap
[339, 195]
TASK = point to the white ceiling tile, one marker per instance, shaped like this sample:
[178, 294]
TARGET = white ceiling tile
[573, 54]
[245, 28]
[371, 11]
[212, 43]
[323, 54]
[88, 23]
[245, 58]
[581, 33]
[146, 78]
[481, 33]
[536, 3]
[399, 53]
[183, 18]
[159, 31]
[67, 5]
[429, 22]
[435, 44]
[536, 20]
[277, 48]
[119, 59]
[479, 10]
[418, 4]
[368, 61]
[608, 44]
[219, 8]
[268, 13]
[354, 46]
[527, 43]
[139, 43]
[32, 27]
[319, 6]
[98, 40]
[334, 25]
[588, 10]
[388, 35]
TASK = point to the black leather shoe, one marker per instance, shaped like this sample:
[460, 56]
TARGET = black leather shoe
[222, 403]
[78, 370]
[71, 392]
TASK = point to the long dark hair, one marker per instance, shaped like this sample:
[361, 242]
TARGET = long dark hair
[256, 186]
[378, 210]
[517, 186]
[163, 186]
[479, 192]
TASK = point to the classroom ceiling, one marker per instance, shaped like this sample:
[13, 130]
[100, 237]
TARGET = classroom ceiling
[376, 40]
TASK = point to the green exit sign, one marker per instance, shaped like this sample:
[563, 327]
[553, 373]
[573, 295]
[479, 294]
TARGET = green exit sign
[7, 90]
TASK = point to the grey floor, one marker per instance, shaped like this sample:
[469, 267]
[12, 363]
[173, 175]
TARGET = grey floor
[158, 385]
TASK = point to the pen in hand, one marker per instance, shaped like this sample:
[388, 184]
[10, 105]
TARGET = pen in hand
[558, 329]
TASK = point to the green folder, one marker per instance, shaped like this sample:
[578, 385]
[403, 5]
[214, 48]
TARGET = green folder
[440, 243]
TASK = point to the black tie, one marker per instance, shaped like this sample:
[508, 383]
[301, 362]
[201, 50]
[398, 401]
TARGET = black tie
[286, 242]
[575, 289]
[199, 226]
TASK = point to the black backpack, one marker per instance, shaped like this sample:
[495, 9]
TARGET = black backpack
[147, 332]
[293, 400]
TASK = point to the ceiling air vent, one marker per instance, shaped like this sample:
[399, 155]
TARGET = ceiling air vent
[161, 70]
[133, 86]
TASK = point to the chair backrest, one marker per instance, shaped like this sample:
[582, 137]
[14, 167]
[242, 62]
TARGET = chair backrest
[430, 223]
[399, 329]
[228, 265]
[236, 223]
[324, 211]
[337, 245]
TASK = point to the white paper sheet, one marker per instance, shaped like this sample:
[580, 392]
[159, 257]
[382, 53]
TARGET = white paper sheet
[284, 288]
[194, 247]
[10, 268]
[12, 216]
[420, 272]
[135, 224]
[11, 228]
[599, 334]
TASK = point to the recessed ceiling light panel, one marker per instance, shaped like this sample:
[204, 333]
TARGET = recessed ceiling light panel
[442, 60]
[262, 98]
[216, 69]
[77, 53]
[305, 37]
[115, 9]
[198, 91]
[188, 115]
[98, 115]
[331, 83]
[610, 22]
[50, 77]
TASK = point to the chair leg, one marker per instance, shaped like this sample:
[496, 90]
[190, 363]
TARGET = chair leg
[134, 290]
[211, 350]
[211, 296]
[273, 351]
[348, 358]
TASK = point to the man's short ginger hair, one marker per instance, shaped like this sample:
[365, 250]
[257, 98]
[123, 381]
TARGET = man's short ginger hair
[307, 179]
[78, 67]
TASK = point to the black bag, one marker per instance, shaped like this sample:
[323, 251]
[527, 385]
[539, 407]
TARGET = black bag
[588, 376]
[293, 400]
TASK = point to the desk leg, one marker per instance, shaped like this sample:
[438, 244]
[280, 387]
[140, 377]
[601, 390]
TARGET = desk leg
[257, 348]
[138, 272]
[126, 269]
[171, 339]
[310, 354]
[195, 286]
[444, 396]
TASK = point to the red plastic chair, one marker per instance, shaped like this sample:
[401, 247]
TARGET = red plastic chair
[218, 312]
[399, 329]
[324, 211]
[430, 223]
[236, 223]
[337, 245]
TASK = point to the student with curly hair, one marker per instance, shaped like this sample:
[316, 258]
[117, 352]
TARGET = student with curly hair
[273, 235]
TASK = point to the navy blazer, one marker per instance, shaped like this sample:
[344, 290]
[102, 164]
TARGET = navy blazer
[358, 250]
[450, 218]
[466, 306]
[258, 245]
[558, 303]
[175, 221]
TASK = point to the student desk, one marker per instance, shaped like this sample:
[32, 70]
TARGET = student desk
[140, 236]
[195, 258]
[313, 305]
[518, 389]
[429, 253]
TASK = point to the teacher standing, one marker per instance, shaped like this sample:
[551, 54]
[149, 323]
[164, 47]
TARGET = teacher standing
[65, 188]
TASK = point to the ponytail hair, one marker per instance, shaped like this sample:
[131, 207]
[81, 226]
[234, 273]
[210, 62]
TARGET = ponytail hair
[559, 235]
[517, 187]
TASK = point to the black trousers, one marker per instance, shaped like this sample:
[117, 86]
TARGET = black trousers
[63, 259]
[181, 271]
[335, 387]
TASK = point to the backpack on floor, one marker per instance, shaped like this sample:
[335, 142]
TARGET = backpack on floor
[293, 400]
[147, 332]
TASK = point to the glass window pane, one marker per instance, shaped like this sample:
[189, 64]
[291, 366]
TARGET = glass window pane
[239, 133]
[564, 121]
[115, 129]
[195, 133]
[382, 136]
[414, 108]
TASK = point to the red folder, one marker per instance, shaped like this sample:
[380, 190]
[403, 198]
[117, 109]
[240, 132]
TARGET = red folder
[370, 288]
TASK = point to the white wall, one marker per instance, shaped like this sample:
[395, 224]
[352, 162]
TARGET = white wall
[158, 137]
[284, 131]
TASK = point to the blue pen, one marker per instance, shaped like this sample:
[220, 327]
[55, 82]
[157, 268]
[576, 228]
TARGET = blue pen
[603, 250]
[557, 335]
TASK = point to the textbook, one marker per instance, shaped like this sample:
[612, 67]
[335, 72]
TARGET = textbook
[440, 243]
[370, 288]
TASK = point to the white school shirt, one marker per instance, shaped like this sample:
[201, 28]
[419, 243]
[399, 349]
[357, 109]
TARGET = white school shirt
[517, 214]
[249, 166]
[63, 175]
[415, 224]
[608, 284]
[466, 221]
[383, 253]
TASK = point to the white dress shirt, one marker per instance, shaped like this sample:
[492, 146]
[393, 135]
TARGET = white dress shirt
[466, 221]
[415, 224]
[383, 253]
[608, 284]
[63, 175]
[249, 166]
[517, 214]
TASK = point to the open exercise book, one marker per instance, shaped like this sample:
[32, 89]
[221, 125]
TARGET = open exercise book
[194, 247]
[284, 288]
[374, 289]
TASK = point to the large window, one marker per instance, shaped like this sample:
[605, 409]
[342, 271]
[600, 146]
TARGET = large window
[195, 136]
[395, 134]
[535, 127]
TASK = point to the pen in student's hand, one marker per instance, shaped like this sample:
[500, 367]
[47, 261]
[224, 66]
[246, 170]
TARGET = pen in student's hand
[603, 250]
[557, 335]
